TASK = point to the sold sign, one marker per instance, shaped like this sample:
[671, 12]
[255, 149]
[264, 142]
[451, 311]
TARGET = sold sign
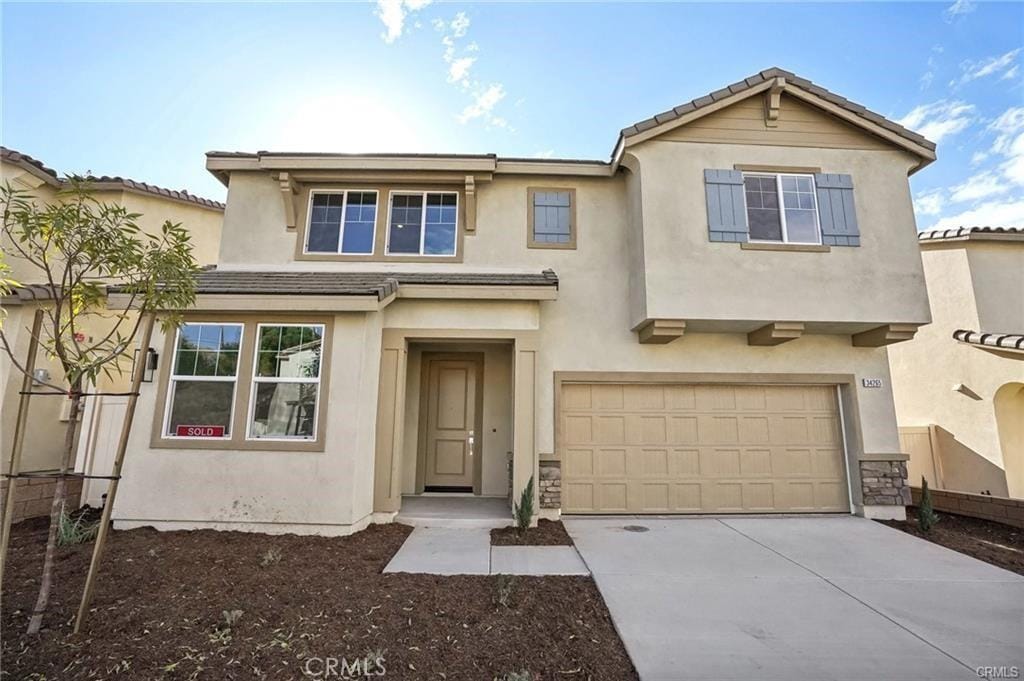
[199, 431]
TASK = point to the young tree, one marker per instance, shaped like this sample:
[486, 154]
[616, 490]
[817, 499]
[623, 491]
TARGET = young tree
[926, 515]
[74, 247]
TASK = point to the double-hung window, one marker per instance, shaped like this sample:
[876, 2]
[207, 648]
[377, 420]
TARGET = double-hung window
[423, 223]
[342, 222]
[781, 207]
[286, 381]
[204, 374]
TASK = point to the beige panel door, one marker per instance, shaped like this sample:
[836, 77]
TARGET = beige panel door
[665, 448]
[451, 415]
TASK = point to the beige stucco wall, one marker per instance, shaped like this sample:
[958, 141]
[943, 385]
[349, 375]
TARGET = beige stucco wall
[689, 277]
[970, 284]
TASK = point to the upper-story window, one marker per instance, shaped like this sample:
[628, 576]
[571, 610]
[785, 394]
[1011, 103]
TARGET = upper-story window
[423, 223]
[781, 207]
[342, 222]
[551, 218]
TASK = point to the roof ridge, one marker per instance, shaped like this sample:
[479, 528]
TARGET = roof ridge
[761, 77]
[22, 159]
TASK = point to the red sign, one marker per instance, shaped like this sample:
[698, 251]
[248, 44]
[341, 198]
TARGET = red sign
[199, 431]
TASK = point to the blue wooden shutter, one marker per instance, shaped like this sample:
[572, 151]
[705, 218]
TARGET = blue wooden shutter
[727, 213]
[835, 210]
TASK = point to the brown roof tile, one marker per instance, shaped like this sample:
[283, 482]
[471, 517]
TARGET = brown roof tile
[966, 232]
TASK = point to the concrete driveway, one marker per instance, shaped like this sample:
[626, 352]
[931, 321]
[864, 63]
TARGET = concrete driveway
[799, 598]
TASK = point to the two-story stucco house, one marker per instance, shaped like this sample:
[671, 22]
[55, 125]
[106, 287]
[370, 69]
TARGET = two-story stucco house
[959, 385]
[48, 416]
[696, 326]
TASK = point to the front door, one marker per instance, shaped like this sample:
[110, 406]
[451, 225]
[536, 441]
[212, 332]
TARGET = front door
[451, 438]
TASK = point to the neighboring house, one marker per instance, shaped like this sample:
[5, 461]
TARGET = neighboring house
[959, 385]
[650, 334]
[48, 415]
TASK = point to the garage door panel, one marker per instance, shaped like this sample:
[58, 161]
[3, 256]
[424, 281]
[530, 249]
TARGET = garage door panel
[636, 448]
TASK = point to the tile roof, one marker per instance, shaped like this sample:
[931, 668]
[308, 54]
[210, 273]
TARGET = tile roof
[106, 181]
[1006, 341]
[768, 74]
[966, 232]
[379, 284]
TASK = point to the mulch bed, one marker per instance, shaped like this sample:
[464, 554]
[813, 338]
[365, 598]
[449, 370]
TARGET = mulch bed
[995, 543]
[159, 604]
[547, 533]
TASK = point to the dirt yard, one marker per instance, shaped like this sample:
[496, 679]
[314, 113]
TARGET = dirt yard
[1001, 545]
[547, 533]
[164, 602]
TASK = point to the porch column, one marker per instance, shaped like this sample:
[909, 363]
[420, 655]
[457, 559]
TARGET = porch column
[390, 419]
[524, 436]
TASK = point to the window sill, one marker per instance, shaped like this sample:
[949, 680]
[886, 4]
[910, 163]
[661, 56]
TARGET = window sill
[238, 444]
[800, 248]
[571, 246]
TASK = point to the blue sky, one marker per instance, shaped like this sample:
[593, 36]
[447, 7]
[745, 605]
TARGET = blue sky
[143, 90]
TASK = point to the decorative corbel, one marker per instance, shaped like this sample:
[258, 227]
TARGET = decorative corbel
[772, 102]
[470, 204]
[288, 192]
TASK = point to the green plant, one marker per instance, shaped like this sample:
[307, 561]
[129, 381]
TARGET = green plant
[524, 509]
[74, 246]
[231, 617]
[926, 515]
[73, 529]
[270, 556]
[506, 584]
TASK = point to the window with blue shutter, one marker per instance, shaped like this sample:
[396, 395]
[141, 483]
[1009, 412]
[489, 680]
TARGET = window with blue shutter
[836, 211]
[727, 218]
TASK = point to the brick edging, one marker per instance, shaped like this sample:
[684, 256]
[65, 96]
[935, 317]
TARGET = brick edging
[983, 506]
[33, 497]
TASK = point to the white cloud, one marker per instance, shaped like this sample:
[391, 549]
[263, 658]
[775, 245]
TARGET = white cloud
[546, 153]
[458, 70]
[979, 186]
[393, 14]
[939, 119]
[958, 9]
[1010, 73]
[929, 203]
[483, 104]
[459, 25]
[992, 214]
[1010, 143]
[1002, 64]
[978, 157]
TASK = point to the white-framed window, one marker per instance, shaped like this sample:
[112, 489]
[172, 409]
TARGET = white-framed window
[341, 221]
[423, 223]
[782, 207]
[203, 381]
[285, 398]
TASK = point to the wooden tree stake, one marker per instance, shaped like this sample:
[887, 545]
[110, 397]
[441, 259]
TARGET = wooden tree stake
[122, 446]
[14, 466]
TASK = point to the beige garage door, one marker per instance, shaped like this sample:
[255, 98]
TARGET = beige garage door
[666, 448]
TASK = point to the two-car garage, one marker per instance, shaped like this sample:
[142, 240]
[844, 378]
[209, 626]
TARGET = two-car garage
[664, 447]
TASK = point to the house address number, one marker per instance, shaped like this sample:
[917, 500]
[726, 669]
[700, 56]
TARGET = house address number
[871, 382]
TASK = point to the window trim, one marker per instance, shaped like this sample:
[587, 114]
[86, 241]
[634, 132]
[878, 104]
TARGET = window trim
[237, 441]
[530, 241]
[779, 174]
[313, 191]
[423, 224]
[256, 380]
[174, 378]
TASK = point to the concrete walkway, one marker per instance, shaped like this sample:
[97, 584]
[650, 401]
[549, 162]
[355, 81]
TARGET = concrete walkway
[799, 598]
[468, 551]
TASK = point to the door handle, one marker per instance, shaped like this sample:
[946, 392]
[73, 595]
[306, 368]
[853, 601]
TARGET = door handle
[469, 439]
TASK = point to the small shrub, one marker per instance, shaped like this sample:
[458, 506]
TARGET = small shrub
[270, 557]
[506, 584]
[517, 676]
[231, 617]
[73, 530]
[524, 509]
[926, 516]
